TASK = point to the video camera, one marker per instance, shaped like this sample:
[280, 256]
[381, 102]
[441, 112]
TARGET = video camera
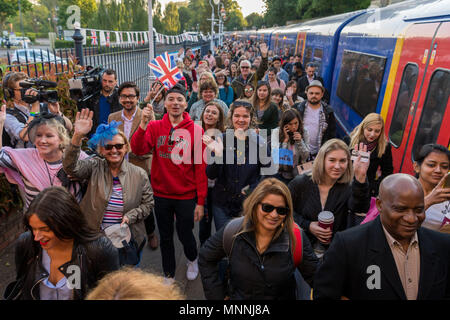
[85, 84]
[40, 85]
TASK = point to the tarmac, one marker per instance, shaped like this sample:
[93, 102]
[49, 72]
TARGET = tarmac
[151, 262]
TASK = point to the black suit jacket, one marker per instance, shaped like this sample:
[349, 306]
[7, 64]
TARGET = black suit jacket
[345, 270]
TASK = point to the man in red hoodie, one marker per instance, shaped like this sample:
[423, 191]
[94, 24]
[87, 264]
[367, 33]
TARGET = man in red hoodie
[178, 176]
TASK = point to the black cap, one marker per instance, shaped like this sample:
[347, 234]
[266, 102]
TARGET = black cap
[179, 87]
[276, 58]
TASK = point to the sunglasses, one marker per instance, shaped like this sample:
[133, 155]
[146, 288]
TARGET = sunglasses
[118, 146]
[245, 67]
[248, 90]
[268, 208]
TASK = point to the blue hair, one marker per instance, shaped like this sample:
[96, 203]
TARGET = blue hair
[104, 134]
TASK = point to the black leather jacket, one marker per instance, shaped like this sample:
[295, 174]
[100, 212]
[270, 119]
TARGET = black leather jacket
[95, 259]
[254, 276]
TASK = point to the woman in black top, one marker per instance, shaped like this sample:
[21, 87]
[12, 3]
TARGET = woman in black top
[371, 132]
[330, 187]
[266, 110]
[59, 257]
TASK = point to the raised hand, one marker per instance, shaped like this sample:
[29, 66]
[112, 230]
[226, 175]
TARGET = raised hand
[360, 167]
[195, 86]
[147, 116]
[54, 108]
[83, 122]
[438, 194]
[213, 145]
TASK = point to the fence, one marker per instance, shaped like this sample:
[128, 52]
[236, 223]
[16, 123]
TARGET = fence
[129, 60]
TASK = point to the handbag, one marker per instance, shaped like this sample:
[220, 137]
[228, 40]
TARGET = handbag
[128, 248]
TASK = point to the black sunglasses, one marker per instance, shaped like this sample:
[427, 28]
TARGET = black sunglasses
[118, 146]
[282, 211]
[245, 67]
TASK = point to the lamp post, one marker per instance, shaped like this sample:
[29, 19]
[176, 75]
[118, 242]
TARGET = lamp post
[151, 44]
[216, 2]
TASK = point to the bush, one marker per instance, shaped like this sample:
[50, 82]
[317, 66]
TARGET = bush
[60, 44]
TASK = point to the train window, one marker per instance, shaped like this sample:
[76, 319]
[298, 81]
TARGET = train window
[433, 110]
[360, 80]
[308, 56]
[318, 53]
[404, 97]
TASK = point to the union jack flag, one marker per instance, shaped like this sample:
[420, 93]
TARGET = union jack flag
[166, 70]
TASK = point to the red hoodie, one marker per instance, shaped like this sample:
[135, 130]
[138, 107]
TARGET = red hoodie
[182, 181]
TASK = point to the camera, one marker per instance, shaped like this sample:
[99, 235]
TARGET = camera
[39, 85]
[86, 84]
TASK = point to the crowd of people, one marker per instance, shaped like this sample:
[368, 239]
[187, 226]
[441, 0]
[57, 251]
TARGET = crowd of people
[246, 142]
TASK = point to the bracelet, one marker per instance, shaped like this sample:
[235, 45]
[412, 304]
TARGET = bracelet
[33, 114]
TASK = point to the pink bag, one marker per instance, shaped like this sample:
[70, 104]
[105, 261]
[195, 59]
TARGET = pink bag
[373, 211]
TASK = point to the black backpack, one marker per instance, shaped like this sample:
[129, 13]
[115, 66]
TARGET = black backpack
[20, 116]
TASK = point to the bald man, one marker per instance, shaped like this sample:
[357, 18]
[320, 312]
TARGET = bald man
[391, 257]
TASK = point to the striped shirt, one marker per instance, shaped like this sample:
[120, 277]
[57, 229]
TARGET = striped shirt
[114, 208]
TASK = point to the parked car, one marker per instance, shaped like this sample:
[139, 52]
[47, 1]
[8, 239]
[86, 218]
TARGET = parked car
[19, 41]
[35, 56]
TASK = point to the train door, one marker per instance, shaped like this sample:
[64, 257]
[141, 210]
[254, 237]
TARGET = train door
[414, 117]
[300, 43]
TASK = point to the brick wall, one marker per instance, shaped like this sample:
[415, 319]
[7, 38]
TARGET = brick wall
[10, 228]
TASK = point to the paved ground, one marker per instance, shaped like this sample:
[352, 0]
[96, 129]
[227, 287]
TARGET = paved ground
[151, 261]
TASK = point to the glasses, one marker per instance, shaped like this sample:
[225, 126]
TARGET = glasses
[118, 146]
[245, 67]
[248, 90]
[131, 96]
[282, 211]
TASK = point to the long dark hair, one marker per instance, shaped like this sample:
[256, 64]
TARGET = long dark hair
[220, 122]
[255, 94]
[288, 116]
[426, 150]
[60, 211]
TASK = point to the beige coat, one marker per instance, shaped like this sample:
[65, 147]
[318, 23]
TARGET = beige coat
[145, 161]
[137, 192]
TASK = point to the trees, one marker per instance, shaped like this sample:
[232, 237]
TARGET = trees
[10, 8]
[255, 20]
[308, 9]
[171, 19]
[280, 11]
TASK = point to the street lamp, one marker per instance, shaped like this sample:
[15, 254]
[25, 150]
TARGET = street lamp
[216, 2]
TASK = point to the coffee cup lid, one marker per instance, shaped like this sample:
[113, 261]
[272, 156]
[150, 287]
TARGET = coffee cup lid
[326, 216]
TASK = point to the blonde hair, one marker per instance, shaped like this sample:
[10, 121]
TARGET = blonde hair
[207, 74]
[134, 284]
[318, 170]
[357, 134]
[55, 125]
[250, 207]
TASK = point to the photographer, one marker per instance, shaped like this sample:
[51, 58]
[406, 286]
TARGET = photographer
[105, 101]
[18, 117]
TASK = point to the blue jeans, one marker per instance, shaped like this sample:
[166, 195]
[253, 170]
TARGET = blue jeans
[221, 216]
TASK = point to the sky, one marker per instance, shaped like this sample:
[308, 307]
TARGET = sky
[248, 6]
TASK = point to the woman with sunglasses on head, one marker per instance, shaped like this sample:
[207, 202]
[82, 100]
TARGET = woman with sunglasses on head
[34, 169]
[213, 124]
[247, 93]
[237, 170]
[118, 191]
[57, 247]
[432, 166]
[263, 250]
[266, 111]
[336, 185]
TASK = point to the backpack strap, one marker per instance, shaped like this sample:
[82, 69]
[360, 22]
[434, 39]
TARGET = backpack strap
[231, 229]
[298, 251]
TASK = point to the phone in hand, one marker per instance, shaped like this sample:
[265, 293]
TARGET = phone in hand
[447, 181]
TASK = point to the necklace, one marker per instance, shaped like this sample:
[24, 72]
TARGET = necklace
[49, 176]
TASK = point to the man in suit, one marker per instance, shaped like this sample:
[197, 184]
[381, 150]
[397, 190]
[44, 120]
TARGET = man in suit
[391, 257]
[304, 81]
[130, 118]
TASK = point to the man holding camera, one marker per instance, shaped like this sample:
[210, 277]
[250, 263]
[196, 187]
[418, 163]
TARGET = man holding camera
[17, 118]
[106, 101]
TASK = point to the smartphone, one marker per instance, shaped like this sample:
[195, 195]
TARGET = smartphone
[447, 181]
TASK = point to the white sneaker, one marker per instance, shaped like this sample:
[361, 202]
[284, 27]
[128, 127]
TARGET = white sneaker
[169, 281]
[192, 270]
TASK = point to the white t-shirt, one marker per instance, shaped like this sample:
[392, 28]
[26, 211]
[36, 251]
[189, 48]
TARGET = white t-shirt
[434, 216]
[311, 123]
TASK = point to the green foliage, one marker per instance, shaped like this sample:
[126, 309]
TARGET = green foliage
[255, 20]
[10, 9]
[280, 11]
[308, 9]
[61, 44]
[171, 19]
